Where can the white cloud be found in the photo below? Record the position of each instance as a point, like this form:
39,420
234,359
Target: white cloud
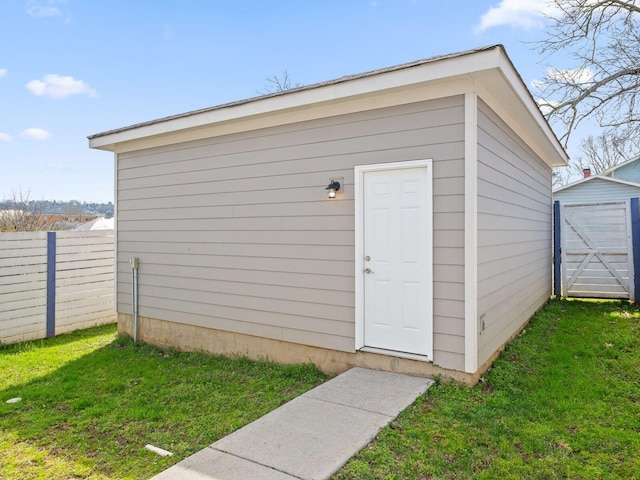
43,11
3,72
57,86
546,105
580,76
39,11
36,134
516,13
4,137
47,9
538,84
44,8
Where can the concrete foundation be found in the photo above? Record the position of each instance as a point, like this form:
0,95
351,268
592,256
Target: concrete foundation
194,338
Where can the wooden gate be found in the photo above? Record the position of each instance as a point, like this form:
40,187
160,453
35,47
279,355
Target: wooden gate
597,250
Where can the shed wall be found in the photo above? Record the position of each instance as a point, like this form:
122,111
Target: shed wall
235,232
629,172
514,232
597,190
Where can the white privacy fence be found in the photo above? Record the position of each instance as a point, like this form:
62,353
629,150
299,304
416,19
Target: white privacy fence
55,282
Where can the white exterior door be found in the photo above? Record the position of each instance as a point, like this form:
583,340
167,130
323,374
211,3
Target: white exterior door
397,260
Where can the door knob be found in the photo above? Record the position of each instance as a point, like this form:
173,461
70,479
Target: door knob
367,258
367,270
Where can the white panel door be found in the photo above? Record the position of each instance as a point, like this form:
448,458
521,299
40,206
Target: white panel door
397,260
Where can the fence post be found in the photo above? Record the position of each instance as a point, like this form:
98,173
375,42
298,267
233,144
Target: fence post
51,284
557,279
635,241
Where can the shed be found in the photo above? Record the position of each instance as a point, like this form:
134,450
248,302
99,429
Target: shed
434,252
596,189
628,170
617,184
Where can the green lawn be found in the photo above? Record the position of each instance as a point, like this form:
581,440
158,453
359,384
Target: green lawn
92,400
562,401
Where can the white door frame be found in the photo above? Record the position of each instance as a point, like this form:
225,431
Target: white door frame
359,172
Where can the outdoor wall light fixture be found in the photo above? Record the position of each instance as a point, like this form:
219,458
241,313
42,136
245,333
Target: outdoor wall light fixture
333,187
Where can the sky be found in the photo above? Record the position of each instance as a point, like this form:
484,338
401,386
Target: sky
73,68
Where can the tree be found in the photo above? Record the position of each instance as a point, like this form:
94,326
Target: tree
560,176
24,215
604,152
602,37
277,84
74,207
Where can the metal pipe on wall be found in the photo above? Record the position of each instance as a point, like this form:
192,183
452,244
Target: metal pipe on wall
135,263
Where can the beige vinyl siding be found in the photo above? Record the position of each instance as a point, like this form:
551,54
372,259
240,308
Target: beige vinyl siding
236,233
514,232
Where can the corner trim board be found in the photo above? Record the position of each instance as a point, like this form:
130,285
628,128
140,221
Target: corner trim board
471,232
115,231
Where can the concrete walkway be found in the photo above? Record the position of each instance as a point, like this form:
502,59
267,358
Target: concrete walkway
310,437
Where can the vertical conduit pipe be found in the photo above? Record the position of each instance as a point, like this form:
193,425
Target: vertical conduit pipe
135,263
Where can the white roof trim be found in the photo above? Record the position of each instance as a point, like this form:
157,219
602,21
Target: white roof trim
486,70
592,177
616,167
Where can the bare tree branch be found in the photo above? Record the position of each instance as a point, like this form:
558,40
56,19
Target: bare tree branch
278,83
26,215
602,38
560,177
604,152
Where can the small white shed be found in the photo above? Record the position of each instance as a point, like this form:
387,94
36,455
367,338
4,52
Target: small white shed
433,253
595,189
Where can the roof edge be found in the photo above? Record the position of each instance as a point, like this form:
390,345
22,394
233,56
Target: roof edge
592,177
314,86
536,112
621,164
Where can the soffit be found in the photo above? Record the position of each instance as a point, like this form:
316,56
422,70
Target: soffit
488,72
